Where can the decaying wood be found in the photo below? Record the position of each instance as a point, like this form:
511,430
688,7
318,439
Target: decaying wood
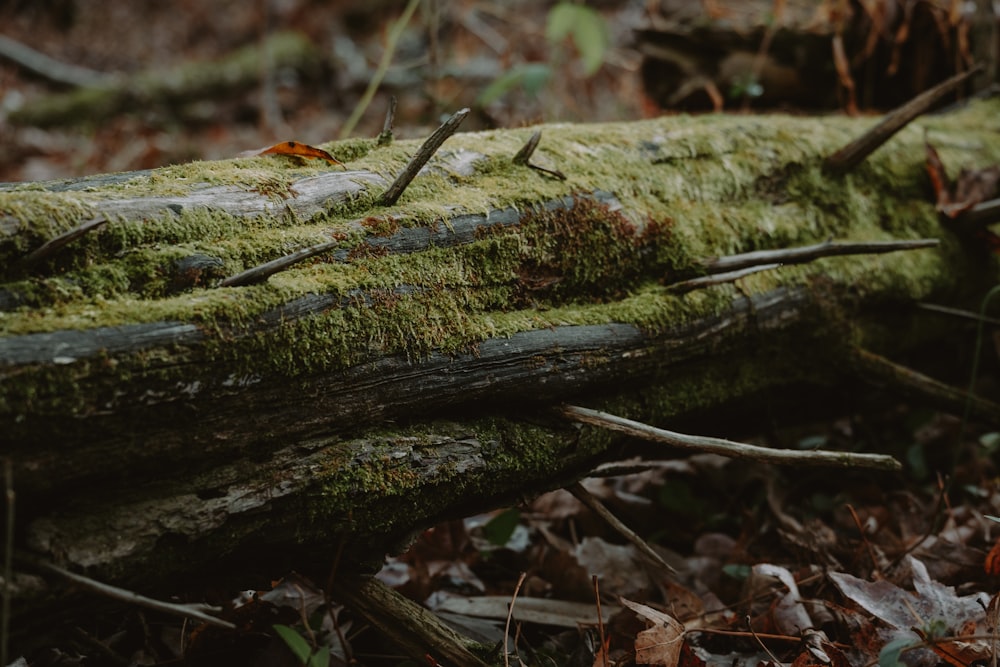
412,627
403,366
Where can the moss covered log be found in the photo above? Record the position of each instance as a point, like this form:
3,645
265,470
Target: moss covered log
409,365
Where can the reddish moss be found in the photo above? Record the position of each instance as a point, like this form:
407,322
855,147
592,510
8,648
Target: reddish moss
366,251
555,240
381,226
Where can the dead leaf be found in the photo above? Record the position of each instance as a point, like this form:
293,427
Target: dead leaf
776,588
619,566
973,186
932,606
295,149
992,562
939,177
660,644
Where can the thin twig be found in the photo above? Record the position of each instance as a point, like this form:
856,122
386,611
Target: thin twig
510,613
524,155
855,152
685,286
753,632
134,598
264,271
876,368
328,599
448,128
50,68
982,214
816,457
809,253
864,539
385,136
554,173
8,558
58,242
391,42
957,312
932,527
592,503
600,619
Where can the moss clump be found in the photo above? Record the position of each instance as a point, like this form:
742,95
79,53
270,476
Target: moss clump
31,218
554,241
383,226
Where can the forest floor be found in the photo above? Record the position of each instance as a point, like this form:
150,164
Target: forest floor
774,565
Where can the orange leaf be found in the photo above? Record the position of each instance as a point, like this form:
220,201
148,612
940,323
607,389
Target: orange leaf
296,149
992,563
939,178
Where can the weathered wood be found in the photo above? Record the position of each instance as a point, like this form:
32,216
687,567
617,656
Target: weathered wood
405,371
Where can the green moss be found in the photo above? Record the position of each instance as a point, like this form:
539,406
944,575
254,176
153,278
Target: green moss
688,188
35,217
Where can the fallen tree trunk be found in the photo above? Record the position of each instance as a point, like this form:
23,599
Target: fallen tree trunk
402,366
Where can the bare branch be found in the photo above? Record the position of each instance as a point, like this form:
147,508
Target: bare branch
718,279
592,503
855,152
58,242
524,155
50,68
264,271
727,447
385,136
879,370
423,154
810,252
130,597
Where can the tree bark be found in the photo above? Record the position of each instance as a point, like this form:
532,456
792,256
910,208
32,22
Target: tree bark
404,369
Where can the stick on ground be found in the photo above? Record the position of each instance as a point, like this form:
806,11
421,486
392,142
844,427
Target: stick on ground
728,447
130,597
413,628
595,505
879,370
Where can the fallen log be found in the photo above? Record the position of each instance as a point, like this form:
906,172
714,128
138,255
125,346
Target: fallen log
400,363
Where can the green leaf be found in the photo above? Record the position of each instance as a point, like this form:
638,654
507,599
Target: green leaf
591,39
560,21
587,28
296,642
499,529
534,77
321,658
529,76
737,571
500,86
889,655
